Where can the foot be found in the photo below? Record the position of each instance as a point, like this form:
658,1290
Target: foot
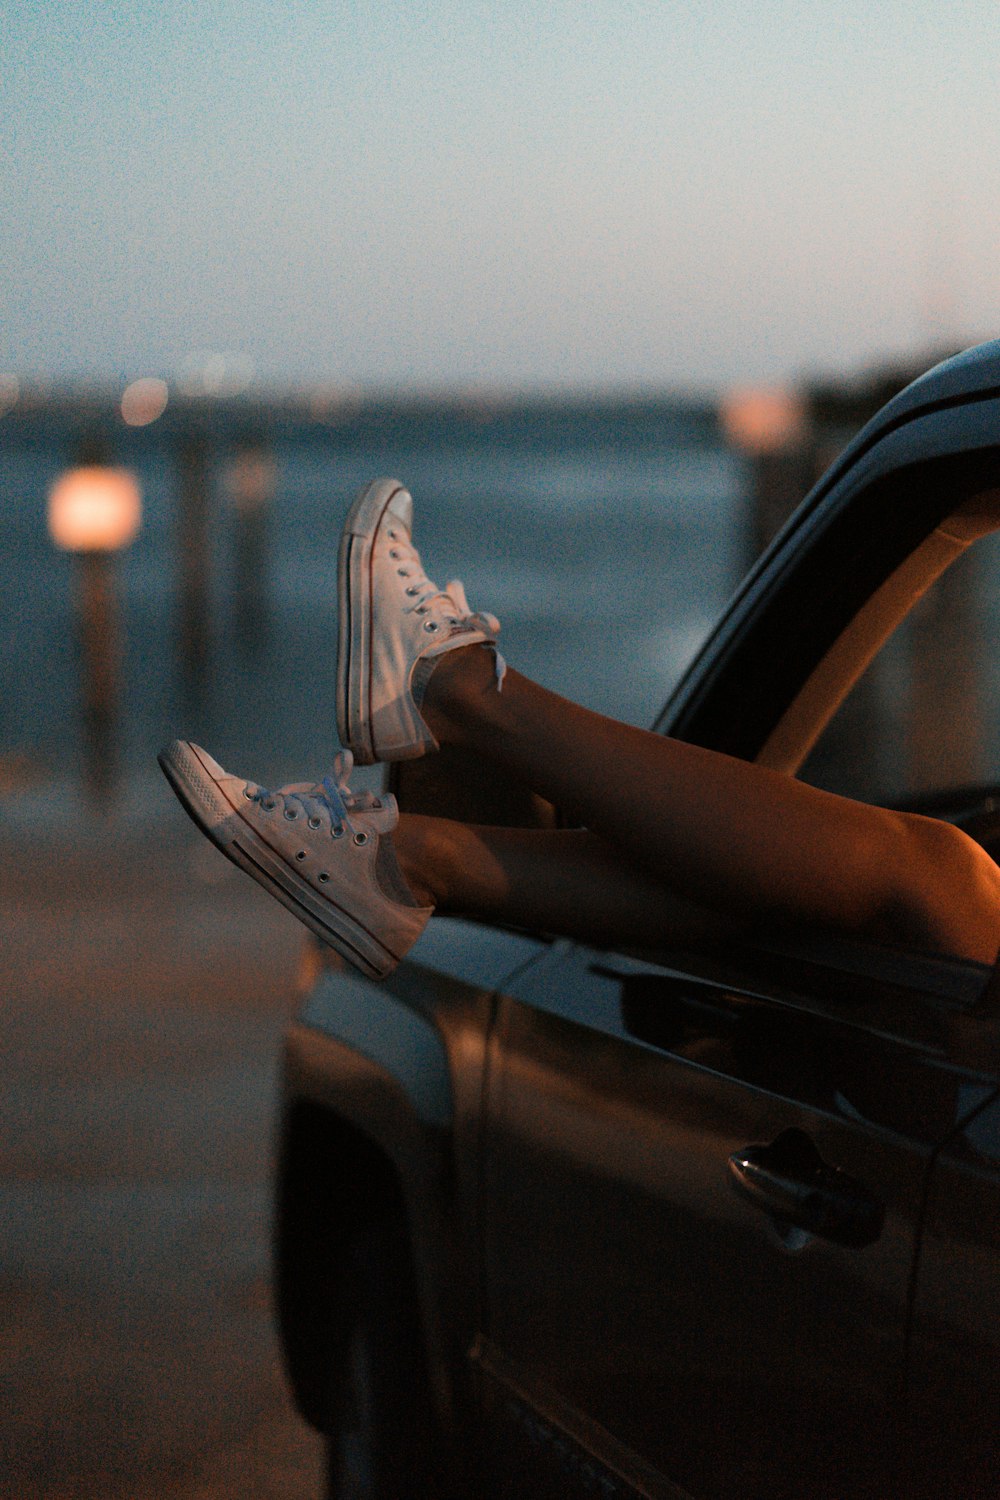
395,624
320,850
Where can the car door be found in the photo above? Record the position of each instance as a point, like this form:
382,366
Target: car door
954,1360
647,1328
654,1321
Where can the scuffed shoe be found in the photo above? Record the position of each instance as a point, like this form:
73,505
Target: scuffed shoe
321,850
394,623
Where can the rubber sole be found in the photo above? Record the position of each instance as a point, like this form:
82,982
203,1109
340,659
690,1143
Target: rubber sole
208,807
354,598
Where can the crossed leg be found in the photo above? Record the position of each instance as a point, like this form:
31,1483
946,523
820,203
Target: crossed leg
673,830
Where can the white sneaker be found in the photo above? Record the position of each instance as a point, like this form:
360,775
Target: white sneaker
394,623
318,849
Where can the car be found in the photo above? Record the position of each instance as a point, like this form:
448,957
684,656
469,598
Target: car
715,1220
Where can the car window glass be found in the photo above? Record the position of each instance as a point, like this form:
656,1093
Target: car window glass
924,719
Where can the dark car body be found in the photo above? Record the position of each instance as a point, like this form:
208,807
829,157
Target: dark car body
719,1220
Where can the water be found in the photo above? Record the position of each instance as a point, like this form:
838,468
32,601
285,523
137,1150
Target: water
607,539
606,545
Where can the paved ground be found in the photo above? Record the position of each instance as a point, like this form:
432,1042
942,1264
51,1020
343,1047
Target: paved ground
145,986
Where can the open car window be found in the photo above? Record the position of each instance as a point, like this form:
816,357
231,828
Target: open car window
921,727
920,730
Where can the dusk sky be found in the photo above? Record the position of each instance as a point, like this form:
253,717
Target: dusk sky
452,193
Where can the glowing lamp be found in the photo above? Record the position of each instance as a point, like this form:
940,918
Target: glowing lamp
763,419
94,509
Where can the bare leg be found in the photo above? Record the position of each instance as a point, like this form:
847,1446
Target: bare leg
564,881
736,838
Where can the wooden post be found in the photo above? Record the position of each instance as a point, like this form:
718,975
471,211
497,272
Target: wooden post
250,482
99,626
194,563
779,481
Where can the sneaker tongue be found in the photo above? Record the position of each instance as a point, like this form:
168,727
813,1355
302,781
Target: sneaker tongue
384,817
455,590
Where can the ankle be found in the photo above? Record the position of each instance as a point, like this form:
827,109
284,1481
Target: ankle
457,693
422,851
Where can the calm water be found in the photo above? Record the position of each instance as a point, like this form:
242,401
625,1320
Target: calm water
606,547
606,540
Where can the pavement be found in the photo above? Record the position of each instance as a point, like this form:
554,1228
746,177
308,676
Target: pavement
146,984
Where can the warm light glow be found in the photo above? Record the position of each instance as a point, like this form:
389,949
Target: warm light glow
207,373
94,509
143,401
250,479
763,419
333,403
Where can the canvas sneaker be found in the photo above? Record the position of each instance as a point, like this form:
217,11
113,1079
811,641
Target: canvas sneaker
320,849
394,624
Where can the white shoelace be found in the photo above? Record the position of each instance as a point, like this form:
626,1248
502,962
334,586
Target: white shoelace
449,604
332,796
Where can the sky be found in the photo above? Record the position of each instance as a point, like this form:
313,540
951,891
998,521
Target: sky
577,194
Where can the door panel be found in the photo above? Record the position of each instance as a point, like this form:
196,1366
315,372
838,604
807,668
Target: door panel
727,1352
955,1359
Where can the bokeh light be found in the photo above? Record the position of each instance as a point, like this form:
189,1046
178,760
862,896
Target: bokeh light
250,480
210,373
94,509
143,401
334,402
763,419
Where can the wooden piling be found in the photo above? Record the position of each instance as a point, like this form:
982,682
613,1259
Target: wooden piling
99,630
250,482
194,636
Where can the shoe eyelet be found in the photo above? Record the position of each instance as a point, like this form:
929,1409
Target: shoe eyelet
421,609
412,593
248,794
361,839
322,877
431,625
393,535
394,554
291,814
338,833
301,854
314,822
403,572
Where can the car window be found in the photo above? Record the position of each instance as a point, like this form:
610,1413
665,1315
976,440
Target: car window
923,722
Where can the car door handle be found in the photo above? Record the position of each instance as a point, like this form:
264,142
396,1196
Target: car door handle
791,1182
